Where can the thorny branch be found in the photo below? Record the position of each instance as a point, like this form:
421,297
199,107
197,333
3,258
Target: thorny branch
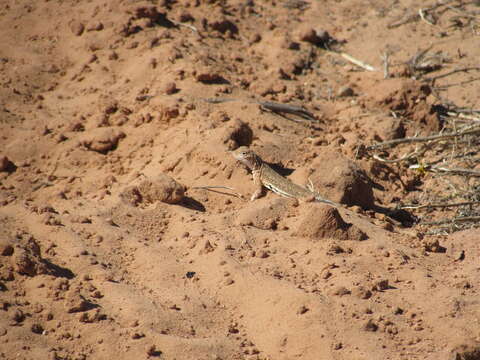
419,15
451,153
470,130
427,206
429,16
455,220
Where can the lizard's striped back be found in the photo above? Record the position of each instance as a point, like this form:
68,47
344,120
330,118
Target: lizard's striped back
284,187
281,185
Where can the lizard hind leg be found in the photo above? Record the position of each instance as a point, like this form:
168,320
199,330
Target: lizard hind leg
257,194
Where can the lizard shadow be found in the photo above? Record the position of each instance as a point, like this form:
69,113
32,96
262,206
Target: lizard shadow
280,169
404,217
57,270
191,203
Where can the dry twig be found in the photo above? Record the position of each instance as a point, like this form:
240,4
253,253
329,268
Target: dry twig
386,73
466,69
458,171
403,158
423,16
277,108
444,87
191,27
470,130
416,16
430,206
357,62
463,116
212,188
460,219
463,13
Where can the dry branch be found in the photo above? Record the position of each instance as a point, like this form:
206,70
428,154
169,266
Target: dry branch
444,87
191,27
463,13
467,69
458,171
277,108
357,62
459,219
469,130
416,16
429,206
392,161
386,70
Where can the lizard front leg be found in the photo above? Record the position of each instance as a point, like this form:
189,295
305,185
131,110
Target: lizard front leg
258,185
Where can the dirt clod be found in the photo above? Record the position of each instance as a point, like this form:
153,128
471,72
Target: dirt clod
102,140
26,259
5,163
370,325
77,27
171,88
317,37
342,180
210,78
323,221
17,317
6,247
160,188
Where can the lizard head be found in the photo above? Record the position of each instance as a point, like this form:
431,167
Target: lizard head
247,157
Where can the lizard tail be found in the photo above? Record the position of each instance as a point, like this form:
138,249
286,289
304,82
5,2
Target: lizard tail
320,199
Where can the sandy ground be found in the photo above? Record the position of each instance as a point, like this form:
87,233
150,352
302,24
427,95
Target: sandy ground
111,248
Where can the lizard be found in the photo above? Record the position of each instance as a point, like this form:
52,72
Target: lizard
265,176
